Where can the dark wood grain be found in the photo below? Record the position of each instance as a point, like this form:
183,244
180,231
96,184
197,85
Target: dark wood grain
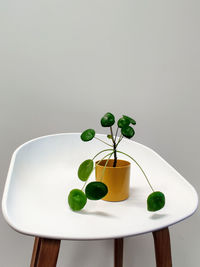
118,252
162,248
45,252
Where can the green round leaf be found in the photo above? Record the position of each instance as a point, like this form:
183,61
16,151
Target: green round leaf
132,121
128,131
155,201
108,120
109,136
77,199
123,122
87,135
85,169
96,190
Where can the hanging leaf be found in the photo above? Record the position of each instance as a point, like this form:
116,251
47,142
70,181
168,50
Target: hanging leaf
77,199
155,201
108,120
96,190
123,122
128,131
132,121
85,169
88,135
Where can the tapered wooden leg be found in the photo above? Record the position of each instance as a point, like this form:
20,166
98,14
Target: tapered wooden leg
162,248
45,252
118,252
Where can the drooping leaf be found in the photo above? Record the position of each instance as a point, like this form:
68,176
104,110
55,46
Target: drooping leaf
77,199
128,131
132,121
155,201
96,190
123,122
107,120
85,169
87,135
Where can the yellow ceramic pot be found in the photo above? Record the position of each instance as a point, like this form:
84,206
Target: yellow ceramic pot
116,178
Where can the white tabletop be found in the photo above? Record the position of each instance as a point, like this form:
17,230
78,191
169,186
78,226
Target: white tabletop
44,170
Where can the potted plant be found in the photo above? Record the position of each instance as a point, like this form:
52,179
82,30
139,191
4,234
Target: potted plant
112,175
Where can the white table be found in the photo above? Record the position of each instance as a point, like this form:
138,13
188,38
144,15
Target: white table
44,170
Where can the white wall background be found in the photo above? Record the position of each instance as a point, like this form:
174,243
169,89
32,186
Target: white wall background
63,64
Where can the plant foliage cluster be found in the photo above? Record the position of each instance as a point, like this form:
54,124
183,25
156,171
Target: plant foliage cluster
96,190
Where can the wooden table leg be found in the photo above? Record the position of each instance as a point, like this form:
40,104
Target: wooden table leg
118,252
162,248
45,252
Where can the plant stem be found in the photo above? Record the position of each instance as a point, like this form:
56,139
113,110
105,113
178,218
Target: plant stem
139,167
102,141
111,132
115,156
116,134
84,184
101,152
110,154
105,166
114,148
120,139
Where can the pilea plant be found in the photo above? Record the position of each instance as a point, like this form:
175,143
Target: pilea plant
97,189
